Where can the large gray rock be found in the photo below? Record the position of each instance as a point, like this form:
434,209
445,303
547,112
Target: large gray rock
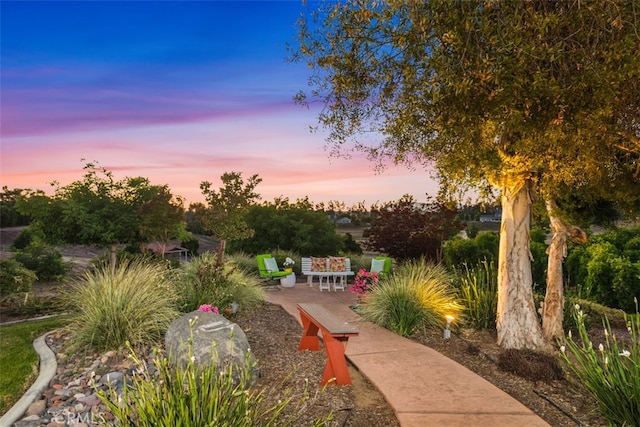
215,341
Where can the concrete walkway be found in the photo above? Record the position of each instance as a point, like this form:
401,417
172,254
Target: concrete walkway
423,387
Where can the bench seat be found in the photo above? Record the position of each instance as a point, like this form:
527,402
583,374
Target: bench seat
327,279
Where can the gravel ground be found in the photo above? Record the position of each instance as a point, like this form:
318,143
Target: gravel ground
274,336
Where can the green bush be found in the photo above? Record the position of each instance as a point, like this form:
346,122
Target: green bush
244,261
26,238
607,269
610,372
359,261
472,230
202,282
45,261
459,251
418,294
196,396
15,277
292,228
192,244
350,245
135,302
478,290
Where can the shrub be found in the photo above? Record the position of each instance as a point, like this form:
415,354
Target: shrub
194,396
607,269
418,294
192,244
202,282
45,261
459,251
350,245
472,230
244,261
133,302
478,290
611,374
15,277
26,238
359,261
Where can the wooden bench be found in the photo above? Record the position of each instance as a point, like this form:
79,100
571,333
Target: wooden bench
335,334
325,278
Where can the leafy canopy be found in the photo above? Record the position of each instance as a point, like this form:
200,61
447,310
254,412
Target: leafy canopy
99,210
484,88
290,227
406,229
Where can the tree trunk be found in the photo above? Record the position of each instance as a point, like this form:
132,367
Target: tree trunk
112,257
220,253
553,307
517,321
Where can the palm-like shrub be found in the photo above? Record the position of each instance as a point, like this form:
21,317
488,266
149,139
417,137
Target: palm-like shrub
201,281
133,302
418,294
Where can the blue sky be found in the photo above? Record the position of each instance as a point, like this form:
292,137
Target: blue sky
176,91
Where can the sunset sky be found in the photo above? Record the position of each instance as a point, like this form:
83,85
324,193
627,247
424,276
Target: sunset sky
178,92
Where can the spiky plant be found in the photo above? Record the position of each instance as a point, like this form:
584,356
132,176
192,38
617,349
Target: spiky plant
418,294
132,302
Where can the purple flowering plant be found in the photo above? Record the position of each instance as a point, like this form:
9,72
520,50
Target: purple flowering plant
209,308
363,282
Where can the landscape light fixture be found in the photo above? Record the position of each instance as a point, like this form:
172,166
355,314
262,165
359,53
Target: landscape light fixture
447,329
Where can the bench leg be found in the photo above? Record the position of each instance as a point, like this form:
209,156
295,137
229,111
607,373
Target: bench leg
336,366
309,340
325,283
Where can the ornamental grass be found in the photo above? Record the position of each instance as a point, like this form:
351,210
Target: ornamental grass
478,290
201,281
418,294
133,302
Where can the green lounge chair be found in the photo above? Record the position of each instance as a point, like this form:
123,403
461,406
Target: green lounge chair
269,270
381,265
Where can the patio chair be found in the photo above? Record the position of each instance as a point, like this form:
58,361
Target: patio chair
269,270
381,265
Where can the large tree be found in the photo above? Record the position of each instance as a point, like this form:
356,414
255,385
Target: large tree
97,210
162,218
224,216
406,229
289,227
531,97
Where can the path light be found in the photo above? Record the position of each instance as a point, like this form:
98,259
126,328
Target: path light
447,330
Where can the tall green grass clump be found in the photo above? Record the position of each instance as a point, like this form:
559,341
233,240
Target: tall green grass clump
478,291
134,302
193,395
418,294
201,281
244,261
610,373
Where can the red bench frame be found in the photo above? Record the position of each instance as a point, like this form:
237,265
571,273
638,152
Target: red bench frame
335,334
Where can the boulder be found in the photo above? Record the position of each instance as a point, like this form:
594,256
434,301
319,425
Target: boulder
215,340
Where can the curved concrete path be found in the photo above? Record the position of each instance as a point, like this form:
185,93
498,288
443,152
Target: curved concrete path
48,366
423,387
